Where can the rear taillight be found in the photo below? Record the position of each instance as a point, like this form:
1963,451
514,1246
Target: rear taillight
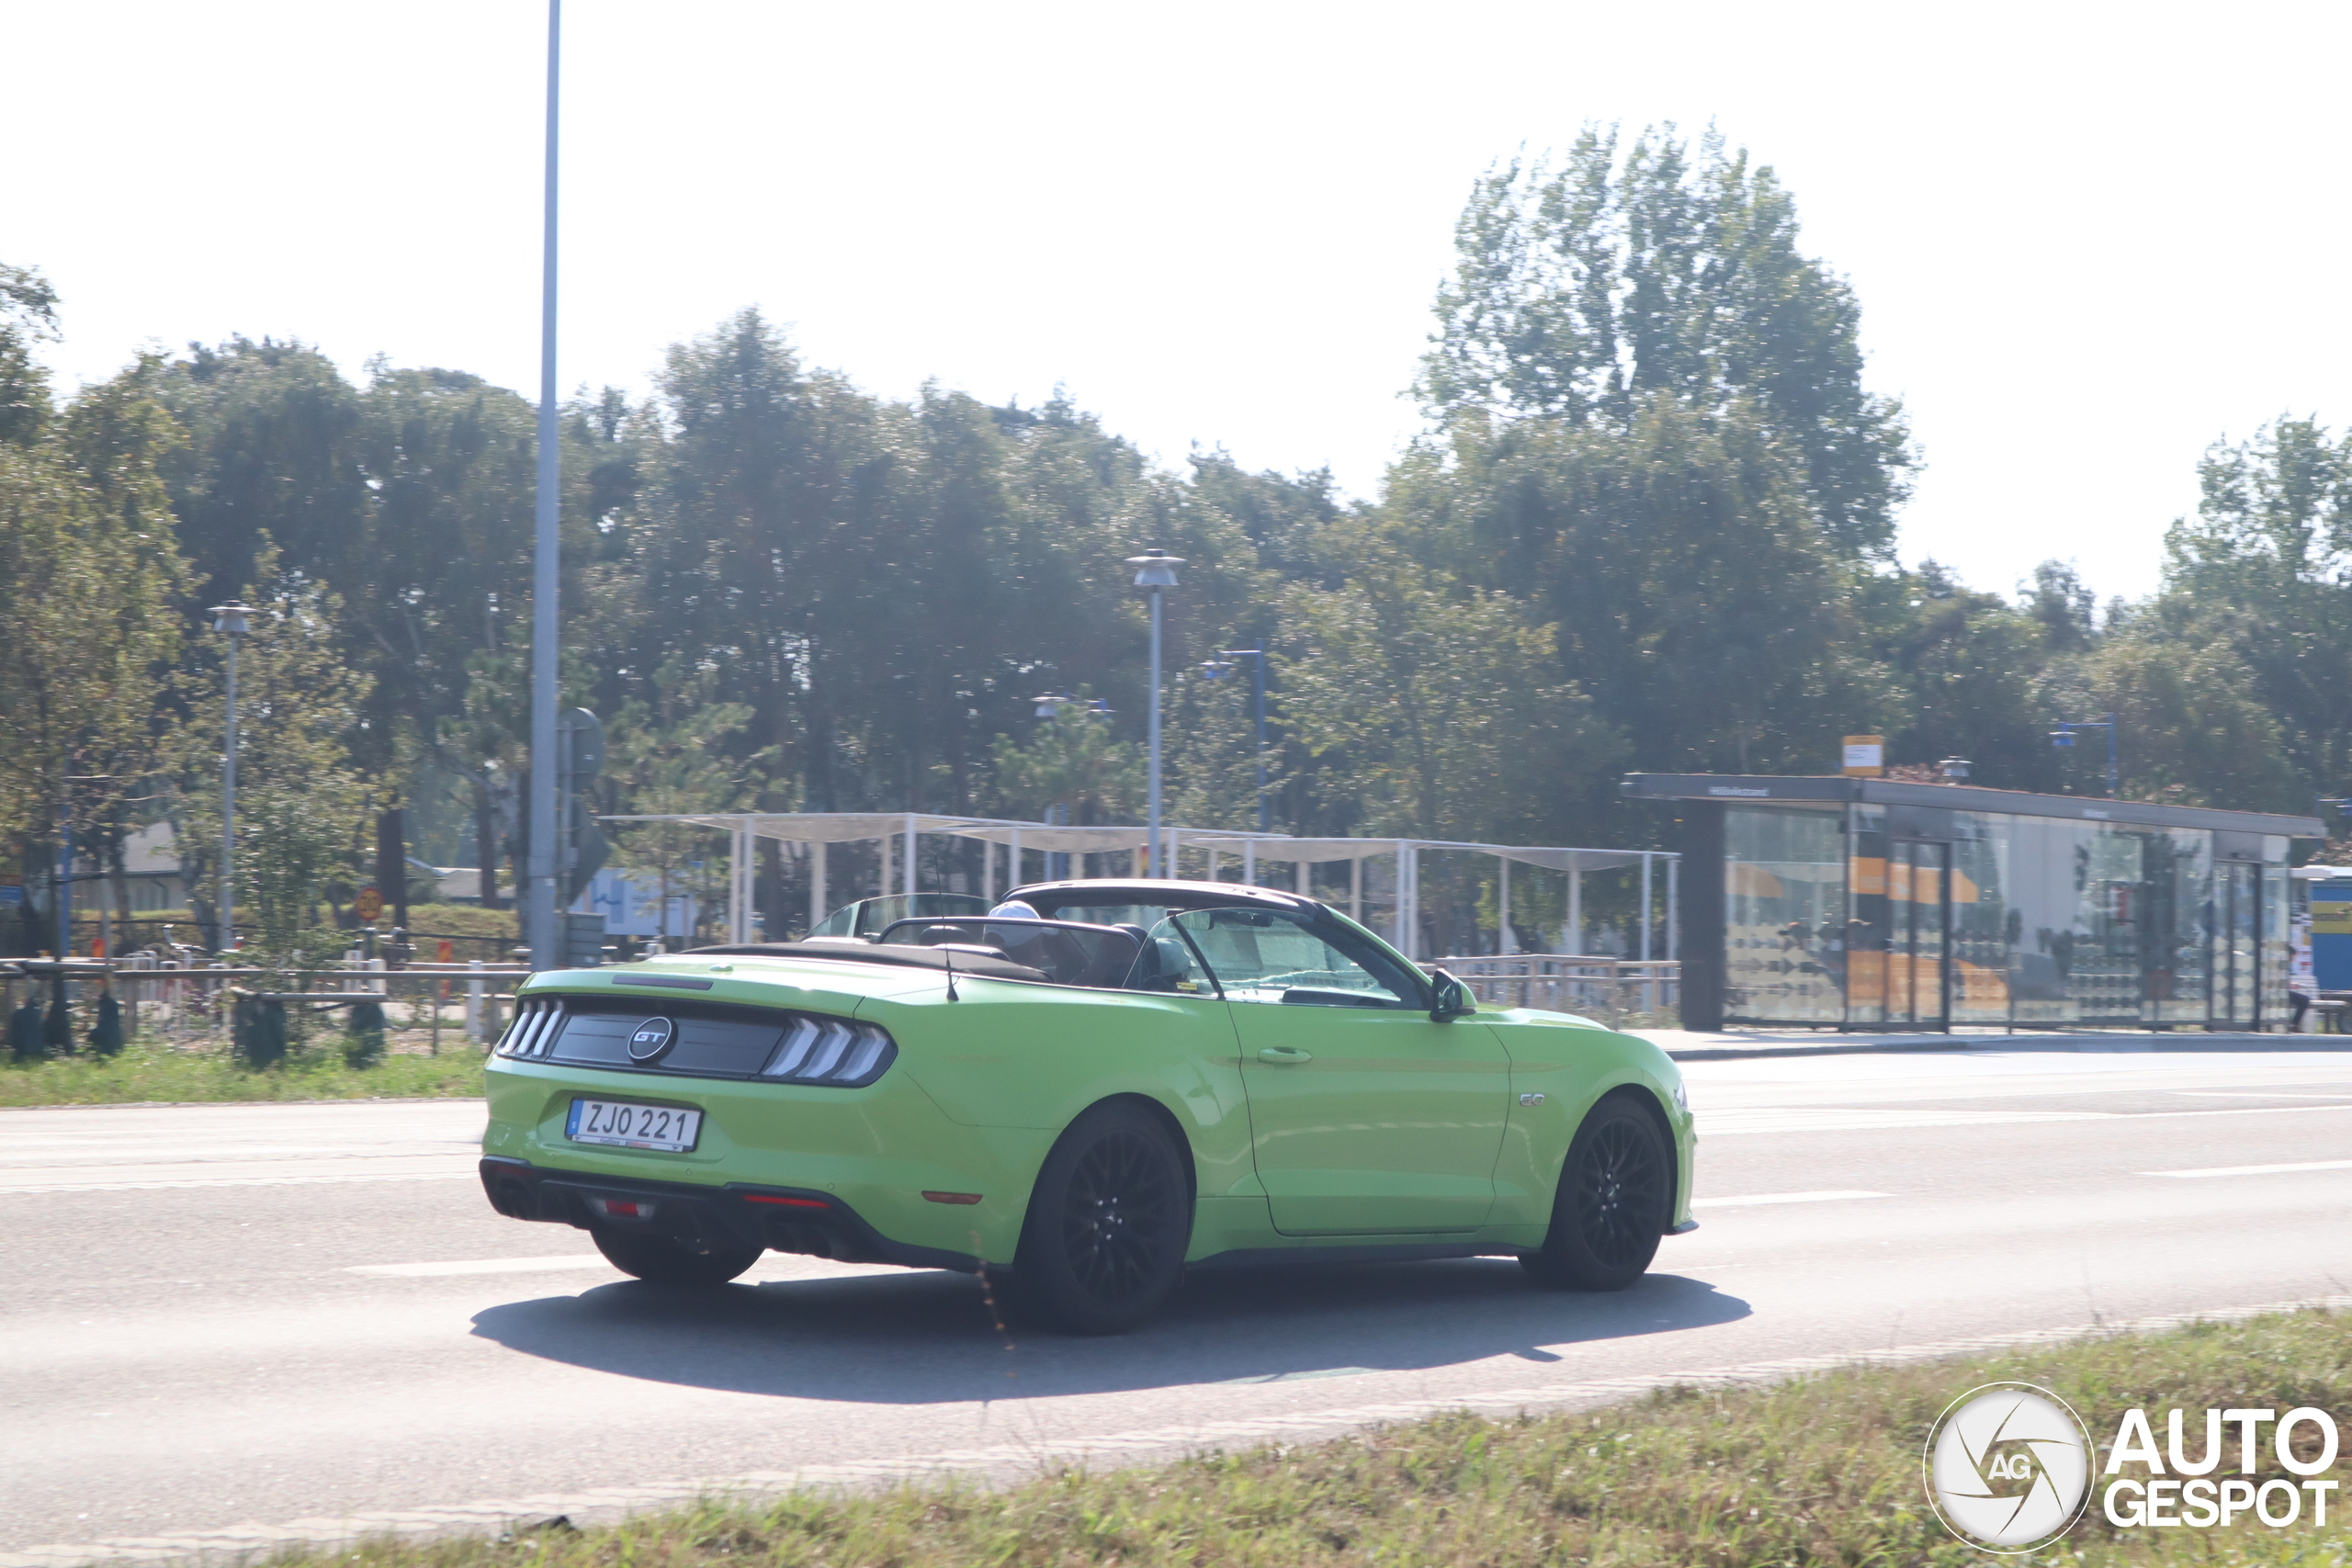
533,1028
833,1052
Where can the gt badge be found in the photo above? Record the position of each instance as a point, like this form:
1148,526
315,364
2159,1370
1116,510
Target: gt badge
653,1037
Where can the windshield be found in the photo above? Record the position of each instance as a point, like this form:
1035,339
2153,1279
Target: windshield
868,916
1276,955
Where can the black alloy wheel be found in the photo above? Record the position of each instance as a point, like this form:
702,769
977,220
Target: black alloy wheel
1108,1223
1611,1209
659,1260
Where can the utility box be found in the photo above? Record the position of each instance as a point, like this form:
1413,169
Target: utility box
583,941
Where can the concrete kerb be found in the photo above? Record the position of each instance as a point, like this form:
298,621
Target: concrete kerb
1690,1047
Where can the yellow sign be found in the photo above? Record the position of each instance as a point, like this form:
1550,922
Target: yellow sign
1865,756
370,905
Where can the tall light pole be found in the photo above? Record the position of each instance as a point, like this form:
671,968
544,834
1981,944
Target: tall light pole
1155,569
539,897
232,621
1217,670
2063,736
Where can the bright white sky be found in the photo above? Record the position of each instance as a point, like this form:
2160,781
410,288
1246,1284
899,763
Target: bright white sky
2088,240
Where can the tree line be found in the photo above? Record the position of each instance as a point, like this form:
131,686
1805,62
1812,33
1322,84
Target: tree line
1650,525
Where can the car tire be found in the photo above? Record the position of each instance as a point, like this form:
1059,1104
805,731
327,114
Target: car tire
1615,1189
1109,1222
659,1260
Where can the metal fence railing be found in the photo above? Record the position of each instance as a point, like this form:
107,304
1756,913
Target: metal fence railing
1614,990
185,998
142,934
184,1001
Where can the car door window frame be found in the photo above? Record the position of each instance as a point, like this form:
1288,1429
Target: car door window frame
1333,936
1217,987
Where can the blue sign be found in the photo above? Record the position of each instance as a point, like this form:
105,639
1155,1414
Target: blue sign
2331,937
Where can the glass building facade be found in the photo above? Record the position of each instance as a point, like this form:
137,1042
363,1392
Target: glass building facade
1867,905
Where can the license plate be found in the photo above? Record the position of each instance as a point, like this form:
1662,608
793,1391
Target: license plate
624,1126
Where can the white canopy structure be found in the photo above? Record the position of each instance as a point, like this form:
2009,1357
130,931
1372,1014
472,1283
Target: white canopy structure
1408,852
816,830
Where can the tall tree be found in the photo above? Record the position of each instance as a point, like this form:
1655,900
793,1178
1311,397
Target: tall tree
88,571
1965,665
1695,600
1445,704
672,758
301,802
272,451
2267,565
2191,725
1582,290
28,316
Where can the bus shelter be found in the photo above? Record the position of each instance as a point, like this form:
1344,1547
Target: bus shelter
1884,904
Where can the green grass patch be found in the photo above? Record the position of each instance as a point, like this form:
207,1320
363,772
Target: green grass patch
154,1069
1825,1470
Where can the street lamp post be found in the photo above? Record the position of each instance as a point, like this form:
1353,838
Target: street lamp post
2064,736
538,893
1155,569
1217,670
231,620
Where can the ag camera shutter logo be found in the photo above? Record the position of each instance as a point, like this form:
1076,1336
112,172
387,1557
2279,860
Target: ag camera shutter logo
2008,1467
653,1037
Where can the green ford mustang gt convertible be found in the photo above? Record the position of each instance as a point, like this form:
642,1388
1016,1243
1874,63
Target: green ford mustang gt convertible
1084,1091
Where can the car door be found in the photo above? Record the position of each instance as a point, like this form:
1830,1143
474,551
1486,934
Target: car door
1365,1117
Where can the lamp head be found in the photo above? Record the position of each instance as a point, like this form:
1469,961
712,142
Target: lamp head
2062,737
1155,569
231,618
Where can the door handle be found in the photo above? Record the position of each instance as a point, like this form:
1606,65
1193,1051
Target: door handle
1284,1054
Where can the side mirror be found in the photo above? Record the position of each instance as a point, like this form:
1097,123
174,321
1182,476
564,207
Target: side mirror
1449,998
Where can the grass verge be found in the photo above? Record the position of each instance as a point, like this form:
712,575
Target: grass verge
152,1070
1825,1470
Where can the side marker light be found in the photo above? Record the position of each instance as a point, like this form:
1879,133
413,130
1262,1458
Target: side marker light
952,1197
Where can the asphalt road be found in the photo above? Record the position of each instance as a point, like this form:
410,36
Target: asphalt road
220,1314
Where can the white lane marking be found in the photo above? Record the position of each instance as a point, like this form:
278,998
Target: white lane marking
2252,1094
121,1178
1771,1119
1774,1119
1299,1377
481,1266
28,1188
2259,1170
610,1504
1753,1198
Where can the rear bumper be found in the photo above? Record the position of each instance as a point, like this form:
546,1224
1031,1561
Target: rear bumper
781,1219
